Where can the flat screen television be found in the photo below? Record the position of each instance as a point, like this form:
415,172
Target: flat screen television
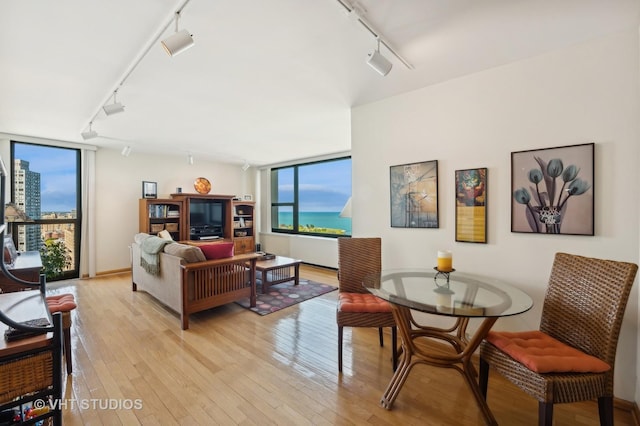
206,218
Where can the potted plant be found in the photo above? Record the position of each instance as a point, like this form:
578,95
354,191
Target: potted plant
54,258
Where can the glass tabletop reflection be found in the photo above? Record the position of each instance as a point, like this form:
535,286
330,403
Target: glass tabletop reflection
450,294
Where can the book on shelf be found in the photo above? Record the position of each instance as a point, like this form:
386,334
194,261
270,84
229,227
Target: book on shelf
163,210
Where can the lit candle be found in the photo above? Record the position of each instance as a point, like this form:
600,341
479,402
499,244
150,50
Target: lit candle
445,261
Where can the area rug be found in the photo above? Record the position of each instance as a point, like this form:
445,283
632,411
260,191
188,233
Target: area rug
283,295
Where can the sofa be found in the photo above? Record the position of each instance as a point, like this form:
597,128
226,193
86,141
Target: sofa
187,281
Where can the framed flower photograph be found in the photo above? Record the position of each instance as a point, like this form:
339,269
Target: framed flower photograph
552,190
471,205
414,195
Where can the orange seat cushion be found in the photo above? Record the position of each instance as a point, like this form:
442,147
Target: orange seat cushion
61,303
361,302
542,353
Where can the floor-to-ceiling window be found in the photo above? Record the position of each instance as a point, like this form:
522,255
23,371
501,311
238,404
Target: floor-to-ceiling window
312,198
45,205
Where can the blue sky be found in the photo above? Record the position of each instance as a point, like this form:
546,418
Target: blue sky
324,187
57,168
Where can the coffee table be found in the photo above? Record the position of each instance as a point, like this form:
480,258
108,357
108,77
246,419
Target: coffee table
278,270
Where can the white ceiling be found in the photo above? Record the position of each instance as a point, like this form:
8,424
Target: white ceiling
267,80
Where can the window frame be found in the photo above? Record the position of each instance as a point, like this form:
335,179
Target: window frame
295,203
74,271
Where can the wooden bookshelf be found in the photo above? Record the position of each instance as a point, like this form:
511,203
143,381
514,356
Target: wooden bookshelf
157,214
243,221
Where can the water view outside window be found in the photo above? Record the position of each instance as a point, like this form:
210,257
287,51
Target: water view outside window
309,198
45,196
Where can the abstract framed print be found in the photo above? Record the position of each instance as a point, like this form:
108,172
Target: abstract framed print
414,195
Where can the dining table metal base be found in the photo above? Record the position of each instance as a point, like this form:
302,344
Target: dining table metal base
460,359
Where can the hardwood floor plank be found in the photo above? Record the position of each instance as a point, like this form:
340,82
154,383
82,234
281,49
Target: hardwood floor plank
235,367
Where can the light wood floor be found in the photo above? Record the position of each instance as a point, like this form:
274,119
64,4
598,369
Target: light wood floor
235,367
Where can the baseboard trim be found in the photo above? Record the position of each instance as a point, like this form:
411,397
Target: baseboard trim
630,407
113,272
320,266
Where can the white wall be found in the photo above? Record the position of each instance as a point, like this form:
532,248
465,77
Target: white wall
119,187
586,93
313,250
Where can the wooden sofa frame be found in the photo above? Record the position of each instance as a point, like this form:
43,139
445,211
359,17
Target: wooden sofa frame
188,288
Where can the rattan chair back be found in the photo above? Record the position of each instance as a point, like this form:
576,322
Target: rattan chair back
585,303
583,307
357,258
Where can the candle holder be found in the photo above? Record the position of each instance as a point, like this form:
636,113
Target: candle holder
443,273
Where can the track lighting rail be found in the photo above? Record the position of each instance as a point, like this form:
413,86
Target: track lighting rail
139,59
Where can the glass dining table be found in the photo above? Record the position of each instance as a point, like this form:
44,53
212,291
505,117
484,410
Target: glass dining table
451,294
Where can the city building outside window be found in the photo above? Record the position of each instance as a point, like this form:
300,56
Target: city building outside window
45,191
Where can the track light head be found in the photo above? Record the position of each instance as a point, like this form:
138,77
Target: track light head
126,151
89,134
113,108
190,159
379,63
178,42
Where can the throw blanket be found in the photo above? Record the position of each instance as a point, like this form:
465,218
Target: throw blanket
150,254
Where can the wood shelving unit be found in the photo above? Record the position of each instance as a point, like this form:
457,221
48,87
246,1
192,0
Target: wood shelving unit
157,214
243,226
172,214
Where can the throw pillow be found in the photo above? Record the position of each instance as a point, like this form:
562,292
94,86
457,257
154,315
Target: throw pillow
189,253
217,250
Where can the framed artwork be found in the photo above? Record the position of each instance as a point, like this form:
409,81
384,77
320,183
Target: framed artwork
471,205
552,190
248,198
414,195
149,189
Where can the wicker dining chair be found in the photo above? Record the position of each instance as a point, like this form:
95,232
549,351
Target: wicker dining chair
357,258
583,310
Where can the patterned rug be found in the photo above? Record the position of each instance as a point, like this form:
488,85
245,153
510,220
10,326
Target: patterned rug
283,295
